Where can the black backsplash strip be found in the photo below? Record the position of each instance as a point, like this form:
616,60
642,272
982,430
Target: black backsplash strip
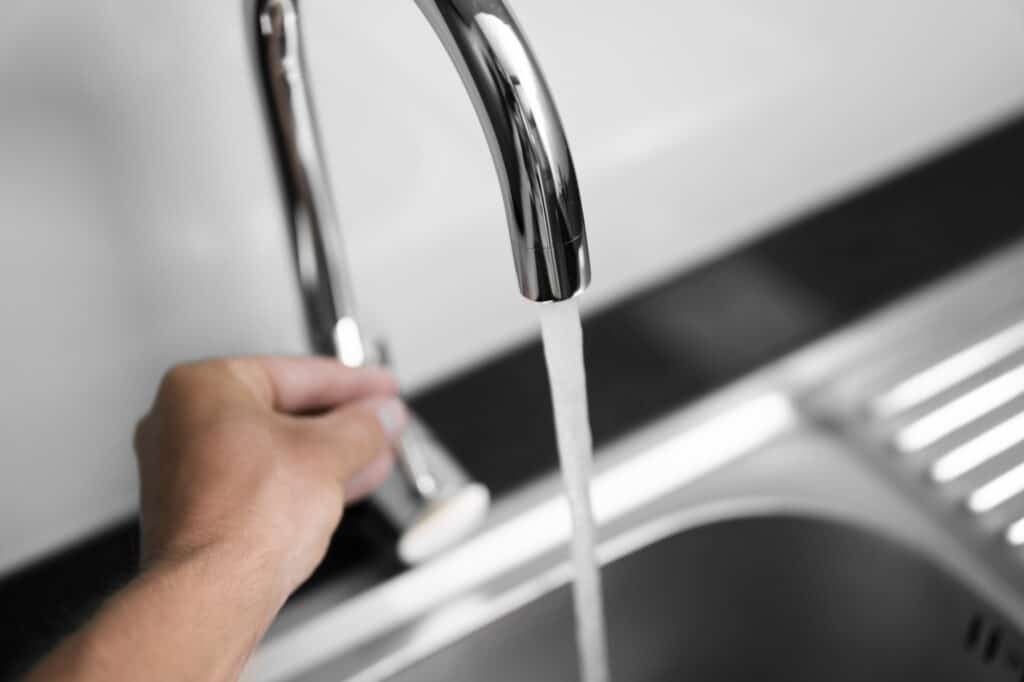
647,355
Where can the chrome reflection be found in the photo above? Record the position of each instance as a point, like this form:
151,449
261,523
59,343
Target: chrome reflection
527,141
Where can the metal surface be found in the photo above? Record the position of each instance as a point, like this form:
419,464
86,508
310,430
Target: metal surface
956,425
792,440
433,500
319,254
527,141
952,350
949,372
763,597
427,476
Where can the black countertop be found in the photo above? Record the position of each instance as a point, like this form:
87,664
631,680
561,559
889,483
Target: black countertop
646,355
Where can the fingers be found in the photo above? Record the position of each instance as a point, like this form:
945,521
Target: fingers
279,382
353,443
367,480
352,439
303,384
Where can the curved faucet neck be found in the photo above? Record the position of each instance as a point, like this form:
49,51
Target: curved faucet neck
527,141
522,126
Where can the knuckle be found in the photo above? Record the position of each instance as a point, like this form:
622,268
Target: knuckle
176,381
237,367
204,385
247,372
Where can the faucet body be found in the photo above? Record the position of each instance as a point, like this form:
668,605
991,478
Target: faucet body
527,141
538,184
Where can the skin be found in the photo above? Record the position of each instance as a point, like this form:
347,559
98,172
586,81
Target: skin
246,465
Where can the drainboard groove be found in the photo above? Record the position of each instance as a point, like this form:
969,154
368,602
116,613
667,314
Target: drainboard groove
958,419
961,411
999,490
1015,533
979,450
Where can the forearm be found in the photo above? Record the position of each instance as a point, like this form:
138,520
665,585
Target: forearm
196,619
251,461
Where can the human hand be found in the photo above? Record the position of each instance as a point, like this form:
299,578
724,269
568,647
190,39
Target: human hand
249,461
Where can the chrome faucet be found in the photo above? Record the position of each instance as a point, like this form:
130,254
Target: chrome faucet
542,206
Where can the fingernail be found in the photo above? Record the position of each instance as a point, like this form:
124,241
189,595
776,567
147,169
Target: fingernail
393,415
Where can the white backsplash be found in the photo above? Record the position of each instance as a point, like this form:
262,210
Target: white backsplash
142,218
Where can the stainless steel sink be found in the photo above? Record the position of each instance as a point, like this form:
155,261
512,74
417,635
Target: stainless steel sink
752,536
758,598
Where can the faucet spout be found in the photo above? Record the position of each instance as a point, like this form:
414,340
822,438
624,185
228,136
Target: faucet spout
527,141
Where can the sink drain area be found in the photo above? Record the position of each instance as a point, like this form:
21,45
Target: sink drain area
986,640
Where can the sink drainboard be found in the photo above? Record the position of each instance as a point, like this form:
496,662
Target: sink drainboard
958,426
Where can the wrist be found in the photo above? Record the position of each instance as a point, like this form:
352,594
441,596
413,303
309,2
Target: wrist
231,570
224,596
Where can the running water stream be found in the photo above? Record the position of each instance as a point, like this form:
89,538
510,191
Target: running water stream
563,353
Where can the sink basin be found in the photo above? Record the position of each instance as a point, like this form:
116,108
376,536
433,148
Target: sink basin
759,598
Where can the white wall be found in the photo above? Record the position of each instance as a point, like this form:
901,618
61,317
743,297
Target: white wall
142,223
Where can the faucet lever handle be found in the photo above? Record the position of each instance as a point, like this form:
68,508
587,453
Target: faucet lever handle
434,504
